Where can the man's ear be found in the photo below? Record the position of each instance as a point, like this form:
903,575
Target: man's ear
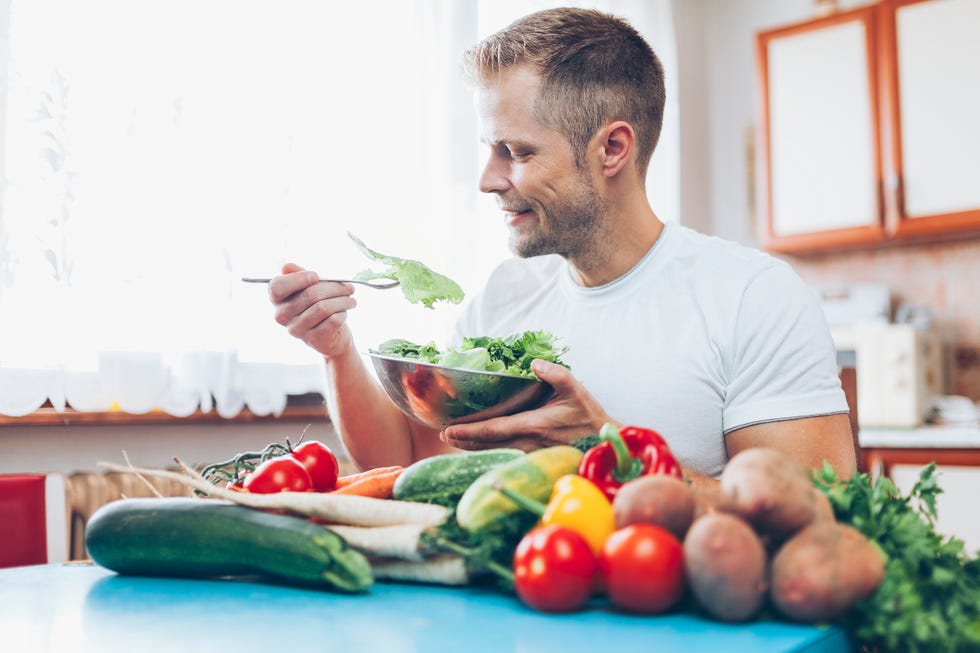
615,142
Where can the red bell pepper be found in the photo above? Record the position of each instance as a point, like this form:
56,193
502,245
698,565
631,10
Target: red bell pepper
625,454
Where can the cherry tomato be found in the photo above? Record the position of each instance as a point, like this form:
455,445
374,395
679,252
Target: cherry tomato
278,475
320,462
554,569
642,568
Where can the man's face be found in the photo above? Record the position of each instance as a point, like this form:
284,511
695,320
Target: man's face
550,205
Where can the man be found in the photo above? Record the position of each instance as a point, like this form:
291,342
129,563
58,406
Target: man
718,347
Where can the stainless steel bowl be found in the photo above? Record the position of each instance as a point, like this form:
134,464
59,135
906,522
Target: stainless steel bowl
438,396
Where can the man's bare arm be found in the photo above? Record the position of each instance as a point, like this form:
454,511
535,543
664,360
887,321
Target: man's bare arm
808,440
374,431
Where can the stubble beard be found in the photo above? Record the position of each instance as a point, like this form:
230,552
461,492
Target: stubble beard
575,228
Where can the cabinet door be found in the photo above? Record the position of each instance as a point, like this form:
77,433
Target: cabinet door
931,62
820,164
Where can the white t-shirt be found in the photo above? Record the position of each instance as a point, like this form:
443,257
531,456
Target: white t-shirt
701,337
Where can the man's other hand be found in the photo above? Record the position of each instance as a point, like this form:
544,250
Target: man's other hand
571,413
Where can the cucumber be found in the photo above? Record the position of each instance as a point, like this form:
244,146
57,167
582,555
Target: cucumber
443,479
207,538
483,509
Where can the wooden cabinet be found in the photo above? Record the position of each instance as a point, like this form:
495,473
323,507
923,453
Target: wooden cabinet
869,126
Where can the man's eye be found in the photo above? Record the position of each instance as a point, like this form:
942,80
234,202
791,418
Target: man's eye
518,155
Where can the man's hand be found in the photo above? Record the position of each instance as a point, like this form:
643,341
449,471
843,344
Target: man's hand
572,413
314,312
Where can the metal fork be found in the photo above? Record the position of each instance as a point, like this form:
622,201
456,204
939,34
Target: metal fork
373,283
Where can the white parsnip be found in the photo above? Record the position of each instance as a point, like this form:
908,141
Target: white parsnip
403,541
336,508
443,569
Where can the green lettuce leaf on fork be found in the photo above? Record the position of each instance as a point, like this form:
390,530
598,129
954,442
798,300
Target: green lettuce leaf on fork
419,283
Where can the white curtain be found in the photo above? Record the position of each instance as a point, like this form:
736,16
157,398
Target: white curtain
156,152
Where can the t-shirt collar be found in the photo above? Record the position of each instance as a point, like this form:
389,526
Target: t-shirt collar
613,288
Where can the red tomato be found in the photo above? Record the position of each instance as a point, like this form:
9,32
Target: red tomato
554,569
642,567
320,462
278,475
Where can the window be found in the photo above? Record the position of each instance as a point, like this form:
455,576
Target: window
156,152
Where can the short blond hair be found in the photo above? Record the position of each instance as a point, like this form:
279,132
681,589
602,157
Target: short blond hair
595,68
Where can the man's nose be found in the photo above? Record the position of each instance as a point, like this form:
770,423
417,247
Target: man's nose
494,177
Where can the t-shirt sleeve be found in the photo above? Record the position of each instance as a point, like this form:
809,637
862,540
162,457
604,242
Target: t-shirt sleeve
783,364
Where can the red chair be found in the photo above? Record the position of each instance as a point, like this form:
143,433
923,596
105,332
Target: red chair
33,519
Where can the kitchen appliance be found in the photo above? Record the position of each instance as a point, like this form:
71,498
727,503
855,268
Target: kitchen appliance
899,370
855,304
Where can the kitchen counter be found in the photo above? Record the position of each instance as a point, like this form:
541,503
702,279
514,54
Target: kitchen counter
68,608
927,437
882,449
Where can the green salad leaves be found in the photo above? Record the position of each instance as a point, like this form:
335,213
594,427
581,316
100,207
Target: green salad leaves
510,355
930,597
419,283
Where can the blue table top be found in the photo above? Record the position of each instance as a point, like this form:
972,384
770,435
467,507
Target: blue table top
85,608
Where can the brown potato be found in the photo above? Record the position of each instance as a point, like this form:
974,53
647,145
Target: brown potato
706,500
769,490
665,501
822,570
725,564
823,509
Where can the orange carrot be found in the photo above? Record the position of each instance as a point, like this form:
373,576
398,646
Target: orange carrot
377,483
347,479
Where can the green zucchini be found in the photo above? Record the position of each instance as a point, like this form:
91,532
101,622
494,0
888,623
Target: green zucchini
207,538
483,509
443,479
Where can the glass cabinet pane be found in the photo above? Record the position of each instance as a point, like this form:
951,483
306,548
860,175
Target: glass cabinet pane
938,49
821,131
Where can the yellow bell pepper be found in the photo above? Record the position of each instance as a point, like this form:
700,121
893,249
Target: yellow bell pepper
577,504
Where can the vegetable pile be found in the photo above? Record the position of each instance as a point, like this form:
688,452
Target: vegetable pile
765,542
355,525
555,525
510,355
